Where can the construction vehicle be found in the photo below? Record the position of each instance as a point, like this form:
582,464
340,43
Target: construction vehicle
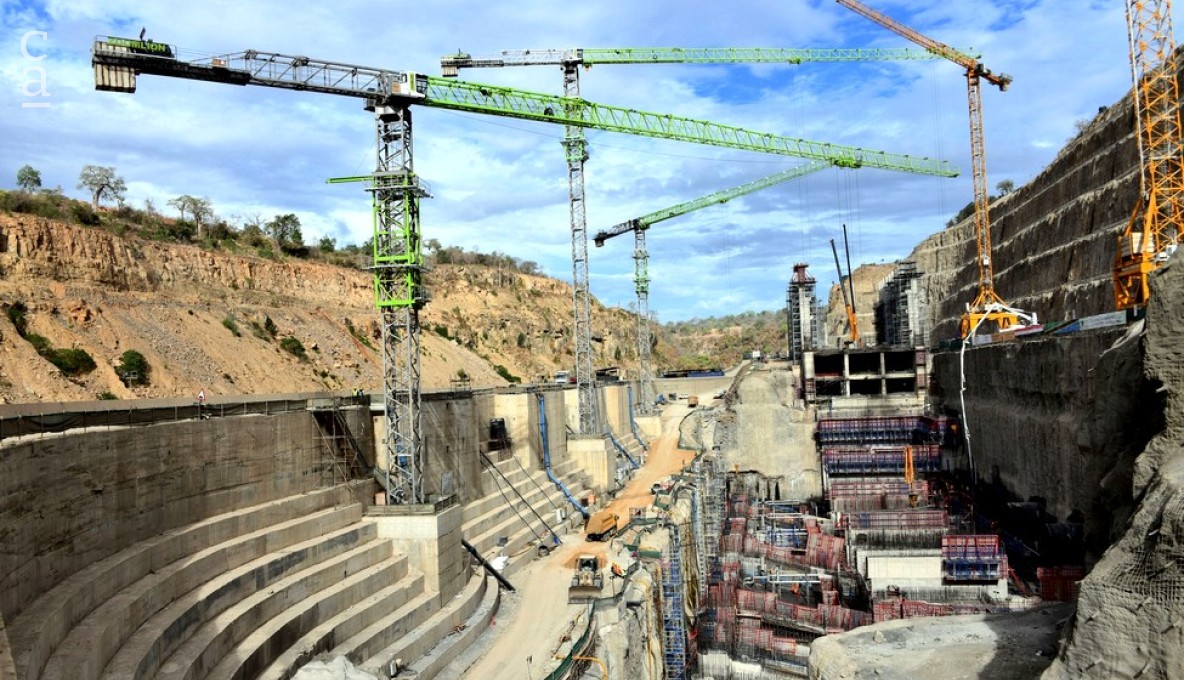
693,400
987,306
587,581
848,298
1156,225
602,526
576,154
641,277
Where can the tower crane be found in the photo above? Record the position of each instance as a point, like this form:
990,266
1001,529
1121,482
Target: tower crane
848,297
396,190
576,151
1156,223
641,277
987,306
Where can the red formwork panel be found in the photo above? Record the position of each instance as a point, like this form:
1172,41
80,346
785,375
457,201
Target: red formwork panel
1060,584
897,520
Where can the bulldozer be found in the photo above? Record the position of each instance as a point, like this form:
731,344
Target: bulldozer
587,581
602,526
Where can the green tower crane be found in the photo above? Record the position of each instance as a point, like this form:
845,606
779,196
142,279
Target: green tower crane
641,277
396,190
576,149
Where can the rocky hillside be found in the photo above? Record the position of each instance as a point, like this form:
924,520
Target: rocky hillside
236,323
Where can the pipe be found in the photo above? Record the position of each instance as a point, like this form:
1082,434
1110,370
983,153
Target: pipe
612,437
603,667
547,458
488,567
633,422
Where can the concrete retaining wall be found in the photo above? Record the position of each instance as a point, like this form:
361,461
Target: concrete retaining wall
69,500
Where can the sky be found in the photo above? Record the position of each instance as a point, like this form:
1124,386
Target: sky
500,184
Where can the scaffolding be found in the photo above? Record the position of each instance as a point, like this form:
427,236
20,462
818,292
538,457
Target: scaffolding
901,310
801,303
343,456
674,647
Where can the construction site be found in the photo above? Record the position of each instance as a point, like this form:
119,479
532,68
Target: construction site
979,476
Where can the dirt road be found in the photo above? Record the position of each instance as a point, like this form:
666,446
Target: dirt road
540,617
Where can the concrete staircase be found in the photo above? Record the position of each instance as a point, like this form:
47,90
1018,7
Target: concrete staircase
495,518
250,593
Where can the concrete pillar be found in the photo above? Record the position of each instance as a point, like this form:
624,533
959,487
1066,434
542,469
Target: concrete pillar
846,374
431,540
595,457
650,427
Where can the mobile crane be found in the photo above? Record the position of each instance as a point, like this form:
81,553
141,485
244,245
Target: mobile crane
987,306
396,189
848,297
569,60
641,278
1156,223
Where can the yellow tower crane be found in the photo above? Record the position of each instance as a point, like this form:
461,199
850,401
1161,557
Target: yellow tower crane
1154,229
987,306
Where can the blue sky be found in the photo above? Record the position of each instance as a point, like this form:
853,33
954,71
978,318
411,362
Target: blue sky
501,184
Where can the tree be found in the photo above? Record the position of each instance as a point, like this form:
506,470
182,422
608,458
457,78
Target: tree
28,178
198,208
327,244
133,368
102,183
285,231
1005,187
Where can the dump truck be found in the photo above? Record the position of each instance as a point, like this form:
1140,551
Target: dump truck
693,400
602,526
587,581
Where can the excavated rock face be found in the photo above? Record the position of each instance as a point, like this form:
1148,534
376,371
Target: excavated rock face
1130,617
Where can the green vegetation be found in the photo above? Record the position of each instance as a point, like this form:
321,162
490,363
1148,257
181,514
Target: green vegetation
294,347
28,178
358,335
442,331
270,327
72,362
506,374
521,339
106,396
102,183
133,368
16,314
232,326
259,332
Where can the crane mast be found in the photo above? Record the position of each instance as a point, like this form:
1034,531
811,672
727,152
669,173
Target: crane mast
576,154
988,305
1156,223
396,190
641,277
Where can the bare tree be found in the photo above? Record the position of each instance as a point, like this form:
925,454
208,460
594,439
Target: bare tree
198,208
102,183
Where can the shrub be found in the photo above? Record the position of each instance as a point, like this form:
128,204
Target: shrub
270,327
442,331
258,332
294,347
522,339
231,326
84,214
133,367
358,335
39,343
106,396
506,374
16,314
71,361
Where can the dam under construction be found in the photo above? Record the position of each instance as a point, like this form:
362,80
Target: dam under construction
922,501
